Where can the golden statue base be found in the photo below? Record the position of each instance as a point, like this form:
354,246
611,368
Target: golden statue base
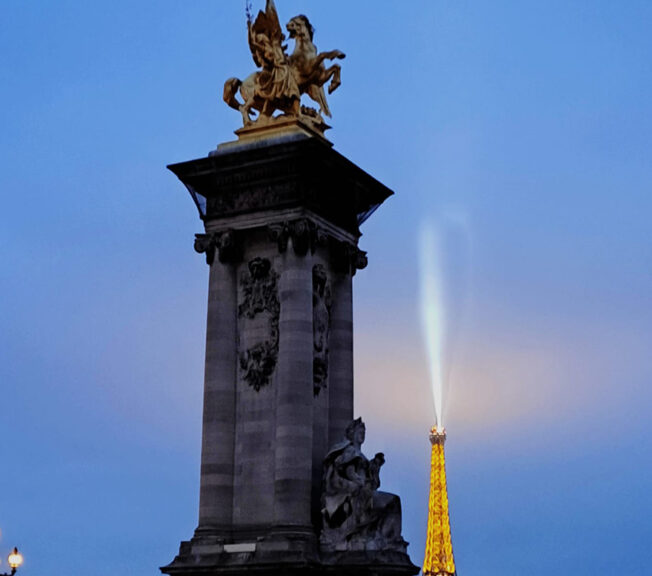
280,128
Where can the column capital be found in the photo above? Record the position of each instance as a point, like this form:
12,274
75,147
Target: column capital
346,258
225,244
307,235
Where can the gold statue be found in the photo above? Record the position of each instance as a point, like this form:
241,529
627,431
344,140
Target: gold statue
282,80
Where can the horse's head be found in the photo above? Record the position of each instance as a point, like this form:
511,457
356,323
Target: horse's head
300,27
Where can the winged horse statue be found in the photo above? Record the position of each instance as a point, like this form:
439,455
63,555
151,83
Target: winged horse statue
282,78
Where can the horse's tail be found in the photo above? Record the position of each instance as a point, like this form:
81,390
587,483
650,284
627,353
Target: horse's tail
231,87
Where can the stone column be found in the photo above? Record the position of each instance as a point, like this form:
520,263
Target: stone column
216,488
293,480
340,379
267,423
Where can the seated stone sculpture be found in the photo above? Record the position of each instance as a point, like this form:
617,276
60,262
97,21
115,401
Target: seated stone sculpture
356,516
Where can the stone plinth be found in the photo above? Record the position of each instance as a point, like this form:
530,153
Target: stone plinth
281,219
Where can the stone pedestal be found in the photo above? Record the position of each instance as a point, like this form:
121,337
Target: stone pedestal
281,220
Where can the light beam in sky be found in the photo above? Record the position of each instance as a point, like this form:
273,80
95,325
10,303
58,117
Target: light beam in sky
432,315
444,256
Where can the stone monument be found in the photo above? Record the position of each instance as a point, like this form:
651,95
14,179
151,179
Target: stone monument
284,485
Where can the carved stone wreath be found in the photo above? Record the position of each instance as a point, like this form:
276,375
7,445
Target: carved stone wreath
259,311
321,324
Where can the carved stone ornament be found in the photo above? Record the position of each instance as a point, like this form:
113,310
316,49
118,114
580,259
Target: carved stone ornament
283,78
259,311
347,258
321,326
305,235
225,244
357,516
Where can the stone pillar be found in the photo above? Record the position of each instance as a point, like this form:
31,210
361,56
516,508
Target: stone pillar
340,378
281,216
216,487
294,395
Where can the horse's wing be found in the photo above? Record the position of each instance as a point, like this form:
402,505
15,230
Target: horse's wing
318,95
268,25
273,19
256,51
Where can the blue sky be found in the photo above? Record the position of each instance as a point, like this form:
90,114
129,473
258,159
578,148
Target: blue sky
531,121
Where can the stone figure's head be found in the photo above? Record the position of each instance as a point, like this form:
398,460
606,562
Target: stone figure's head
319,279
356,431
300,27
259,268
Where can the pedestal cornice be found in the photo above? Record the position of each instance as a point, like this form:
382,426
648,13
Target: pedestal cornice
299,173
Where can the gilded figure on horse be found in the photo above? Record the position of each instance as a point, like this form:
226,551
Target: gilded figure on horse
283,78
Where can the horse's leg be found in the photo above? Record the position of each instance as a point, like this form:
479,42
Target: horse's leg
334,72
245,109
268,109
295,109
335,54
248,93
319,59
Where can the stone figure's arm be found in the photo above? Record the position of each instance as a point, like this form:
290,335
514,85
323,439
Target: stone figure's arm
353,475
374,470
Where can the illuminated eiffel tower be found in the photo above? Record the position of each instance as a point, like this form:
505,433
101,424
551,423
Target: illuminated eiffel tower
439,547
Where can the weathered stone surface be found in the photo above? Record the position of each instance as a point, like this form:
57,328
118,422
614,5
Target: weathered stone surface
218,436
